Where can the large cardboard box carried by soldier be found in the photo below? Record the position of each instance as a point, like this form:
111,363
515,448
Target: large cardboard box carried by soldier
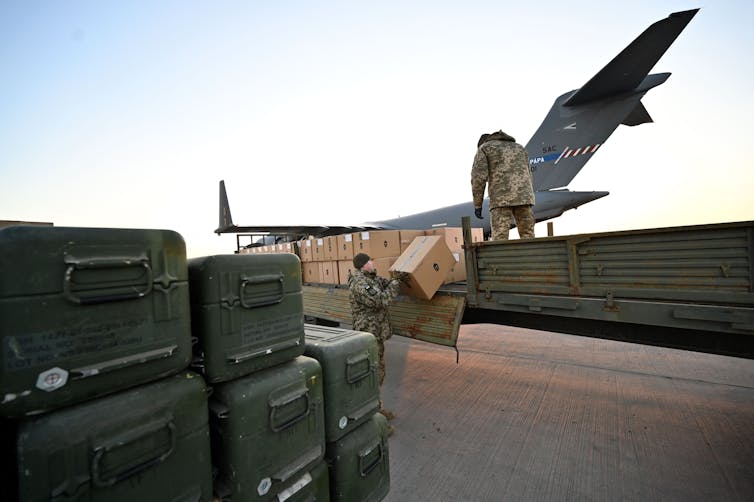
427,261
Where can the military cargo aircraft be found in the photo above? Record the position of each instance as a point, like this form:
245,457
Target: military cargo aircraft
577,125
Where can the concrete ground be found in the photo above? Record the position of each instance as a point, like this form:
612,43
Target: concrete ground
538,416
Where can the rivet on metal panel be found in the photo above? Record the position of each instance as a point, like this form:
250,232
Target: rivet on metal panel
725,267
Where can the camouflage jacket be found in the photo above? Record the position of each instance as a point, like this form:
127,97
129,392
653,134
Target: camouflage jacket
370,297
502,164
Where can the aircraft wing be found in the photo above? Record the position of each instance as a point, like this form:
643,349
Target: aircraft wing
294,230
226,225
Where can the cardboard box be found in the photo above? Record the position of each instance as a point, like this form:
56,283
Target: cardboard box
305,250
344,268
454,236
458,270
284,247
318,249
408,236
330,252
345,247
310,271
382,266
328,272
428,262
377,243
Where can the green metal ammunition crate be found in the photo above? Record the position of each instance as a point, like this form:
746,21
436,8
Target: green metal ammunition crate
147,443
349,368
247,313
85,312
359,463
267,429
312,486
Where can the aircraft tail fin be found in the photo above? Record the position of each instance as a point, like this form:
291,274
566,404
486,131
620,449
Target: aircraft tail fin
628,69
580,121
226,220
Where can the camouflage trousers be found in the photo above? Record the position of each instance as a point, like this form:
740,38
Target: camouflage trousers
501,218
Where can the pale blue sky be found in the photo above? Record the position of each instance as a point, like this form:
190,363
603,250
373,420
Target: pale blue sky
127,114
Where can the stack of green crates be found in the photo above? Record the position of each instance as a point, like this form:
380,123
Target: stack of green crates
357,444
95,328
266,407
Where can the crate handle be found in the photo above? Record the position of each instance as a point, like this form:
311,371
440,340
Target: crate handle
132,436
261,279
98,263
276,404
353,374
364,470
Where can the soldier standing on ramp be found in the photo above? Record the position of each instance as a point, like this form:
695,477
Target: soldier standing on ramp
503,164
370,297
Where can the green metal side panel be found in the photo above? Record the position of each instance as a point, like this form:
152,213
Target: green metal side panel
710,264
691,278
434,321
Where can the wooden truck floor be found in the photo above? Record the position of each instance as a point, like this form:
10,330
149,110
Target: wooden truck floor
532,416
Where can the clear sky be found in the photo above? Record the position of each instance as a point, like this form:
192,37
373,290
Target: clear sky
128,113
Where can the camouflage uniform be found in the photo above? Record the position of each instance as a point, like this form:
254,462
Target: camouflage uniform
370,297
503,164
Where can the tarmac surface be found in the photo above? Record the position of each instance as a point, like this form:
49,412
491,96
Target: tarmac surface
538,416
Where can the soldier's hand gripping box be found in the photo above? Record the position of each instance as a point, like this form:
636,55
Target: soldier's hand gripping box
359,463
150,442
247,313
349,370
88,311
267,430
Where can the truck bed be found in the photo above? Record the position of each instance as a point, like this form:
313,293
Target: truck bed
683,287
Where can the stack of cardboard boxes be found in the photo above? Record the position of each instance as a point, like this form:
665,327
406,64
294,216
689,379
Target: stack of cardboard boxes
329,260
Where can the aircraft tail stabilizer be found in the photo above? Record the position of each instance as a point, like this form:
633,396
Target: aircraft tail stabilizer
580,121
629,68
226,220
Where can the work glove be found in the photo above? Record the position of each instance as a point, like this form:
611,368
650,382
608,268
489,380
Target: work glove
401,276
478,213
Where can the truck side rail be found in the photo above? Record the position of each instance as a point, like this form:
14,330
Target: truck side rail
696,279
